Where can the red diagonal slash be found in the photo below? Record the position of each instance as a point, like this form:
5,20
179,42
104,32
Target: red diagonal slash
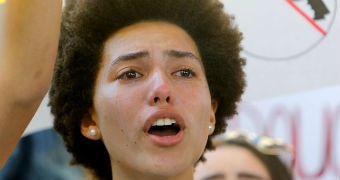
310,20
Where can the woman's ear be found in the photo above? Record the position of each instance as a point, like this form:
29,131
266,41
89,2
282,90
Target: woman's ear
89,127
214,106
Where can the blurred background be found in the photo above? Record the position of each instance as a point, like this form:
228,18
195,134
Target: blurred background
293,74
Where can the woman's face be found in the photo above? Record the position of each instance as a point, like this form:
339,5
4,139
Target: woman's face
231,162
152,103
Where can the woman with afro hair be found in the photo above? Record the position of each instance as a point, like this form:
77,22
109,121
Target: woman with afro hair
141,86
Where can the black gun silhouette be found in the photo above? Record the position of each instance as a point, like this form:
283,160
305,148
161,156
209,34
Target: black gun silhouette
319,8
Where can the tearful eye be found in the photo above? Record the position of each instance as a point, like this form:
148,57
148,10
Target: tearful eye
131,74
185,73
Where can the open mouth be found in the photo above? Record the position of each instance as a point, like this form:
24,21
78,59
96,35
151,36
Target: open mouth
164,127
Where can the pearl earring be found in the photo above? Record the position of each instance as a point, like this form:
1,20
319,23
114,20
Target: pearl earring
210,127
93,132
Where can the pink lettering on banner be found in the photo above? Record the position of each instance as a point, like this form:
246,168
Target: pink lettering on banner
288,121
335,142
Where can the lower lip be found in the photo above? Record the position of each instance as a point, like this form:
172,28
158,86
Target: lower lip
167,140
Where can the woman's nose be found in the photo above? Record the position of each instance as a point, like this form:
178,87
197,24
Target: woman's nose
160,90
161,99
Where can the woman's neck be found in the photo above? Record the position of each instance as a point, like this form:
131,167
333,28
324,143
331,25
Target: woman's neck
130,175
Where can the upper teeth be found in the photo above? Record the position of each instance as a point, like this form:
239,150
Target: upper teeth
164,122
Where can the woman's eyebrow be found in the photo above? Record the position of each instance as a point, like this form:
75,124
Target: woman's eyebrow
217,176
141,54
181,54
129,57
250,176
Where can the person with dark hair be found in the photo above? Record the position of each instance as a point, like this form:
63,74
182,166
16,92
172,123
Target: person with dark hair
141,86
246,156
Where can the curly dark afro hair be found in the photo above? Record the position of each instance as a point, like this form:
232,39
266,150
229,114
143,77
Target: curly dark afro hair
87,24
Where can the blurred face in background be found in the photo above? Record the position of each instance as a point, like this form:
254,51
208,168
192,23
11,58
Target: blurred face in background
231,162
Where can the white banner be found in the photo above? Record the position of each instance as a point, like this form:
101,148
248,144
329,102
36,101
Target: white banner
309,121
